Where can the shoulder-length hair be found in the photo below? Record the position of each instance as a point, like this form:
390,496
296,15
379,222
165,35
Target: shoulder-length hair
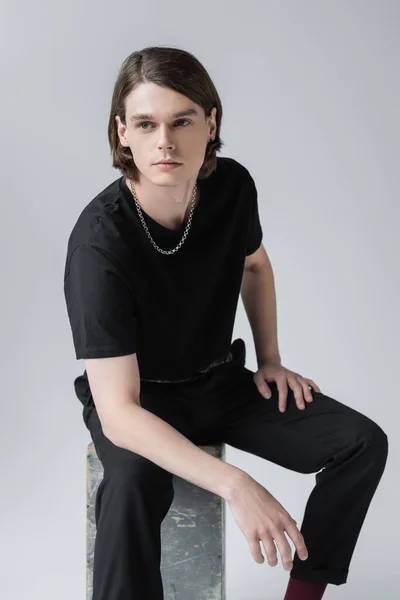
168,67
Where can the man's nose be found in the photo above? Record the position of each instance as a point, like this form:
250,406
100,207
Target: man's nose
165,138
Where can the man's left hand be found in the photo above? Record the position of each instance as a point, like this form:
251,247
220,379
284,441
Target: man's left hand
283,377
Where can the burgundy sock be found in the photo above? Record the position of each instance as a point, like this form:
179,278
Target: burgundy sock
304,590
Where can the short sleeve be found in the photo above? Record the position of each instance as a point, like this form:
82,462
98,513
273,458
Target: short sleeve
255,233
100,305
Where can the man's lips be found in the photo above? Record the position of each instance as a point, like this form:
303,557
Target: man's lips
168,162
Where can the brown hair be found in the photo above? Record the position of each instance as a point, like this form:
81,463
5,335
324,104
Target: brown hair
167,67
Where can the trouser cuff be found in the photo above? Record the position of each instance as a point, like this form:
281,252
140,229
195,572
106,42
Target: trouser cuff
320,575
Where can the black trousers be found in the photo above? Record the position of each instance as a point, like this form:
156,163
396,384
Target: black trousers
345,449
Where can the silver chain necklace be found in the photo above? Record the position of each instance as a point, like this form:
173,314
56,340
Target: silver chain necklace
185,233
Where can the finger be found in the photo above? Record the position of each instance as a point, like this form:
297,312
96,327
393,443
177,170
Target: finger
281,384
265,390
256,550
270,551
306,392
313,385
297,539
297,391
284,550
262,386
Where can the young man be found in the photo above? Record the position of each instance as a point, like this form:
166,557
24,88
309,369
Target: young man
154,268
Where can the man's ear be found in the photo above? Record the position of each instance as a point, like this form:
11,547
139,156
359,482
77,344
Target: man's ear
212,122
121,129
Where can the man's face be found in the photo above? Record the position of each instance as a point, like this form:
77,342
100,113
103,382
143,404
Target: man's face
163,135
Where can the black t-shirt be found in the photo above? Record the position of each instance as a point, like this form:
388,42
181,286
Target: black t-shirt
176,312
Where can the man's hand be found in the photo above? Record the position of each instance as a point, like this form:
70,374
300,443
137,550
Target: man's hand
262,518
274,371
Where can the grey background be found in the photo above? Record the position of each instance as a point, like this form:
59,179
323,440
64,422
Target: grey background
310,92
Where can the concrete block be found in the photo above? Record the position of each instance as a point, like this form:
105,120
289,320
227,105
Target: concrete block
192,536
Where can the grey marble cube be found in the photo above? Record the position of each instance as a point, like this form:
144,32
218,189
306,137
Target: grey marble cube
192,535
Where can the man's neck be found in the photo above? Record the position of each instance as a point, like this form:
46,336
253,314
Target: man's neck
168,205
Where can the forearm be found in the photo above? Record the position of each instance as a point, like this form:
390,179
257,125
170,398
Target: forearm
259,300
140,431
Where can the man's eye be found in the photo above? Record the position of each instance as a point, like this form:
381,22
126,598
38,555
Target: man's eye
147,123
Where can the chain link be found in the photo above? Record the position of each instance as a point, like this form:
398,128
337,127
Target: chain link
185,233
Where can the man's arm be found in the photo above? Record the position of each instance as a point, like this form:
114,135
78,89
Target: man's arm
259,300
115,386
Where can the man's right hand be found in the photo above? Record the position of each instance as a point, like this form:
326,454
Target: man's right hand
263,519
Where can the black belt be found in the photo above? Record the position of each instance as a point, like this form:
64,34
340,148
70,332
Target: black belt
214,363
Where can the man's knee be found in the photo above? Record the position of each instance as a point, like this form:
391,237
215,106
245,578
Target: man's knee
375,438
136,470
